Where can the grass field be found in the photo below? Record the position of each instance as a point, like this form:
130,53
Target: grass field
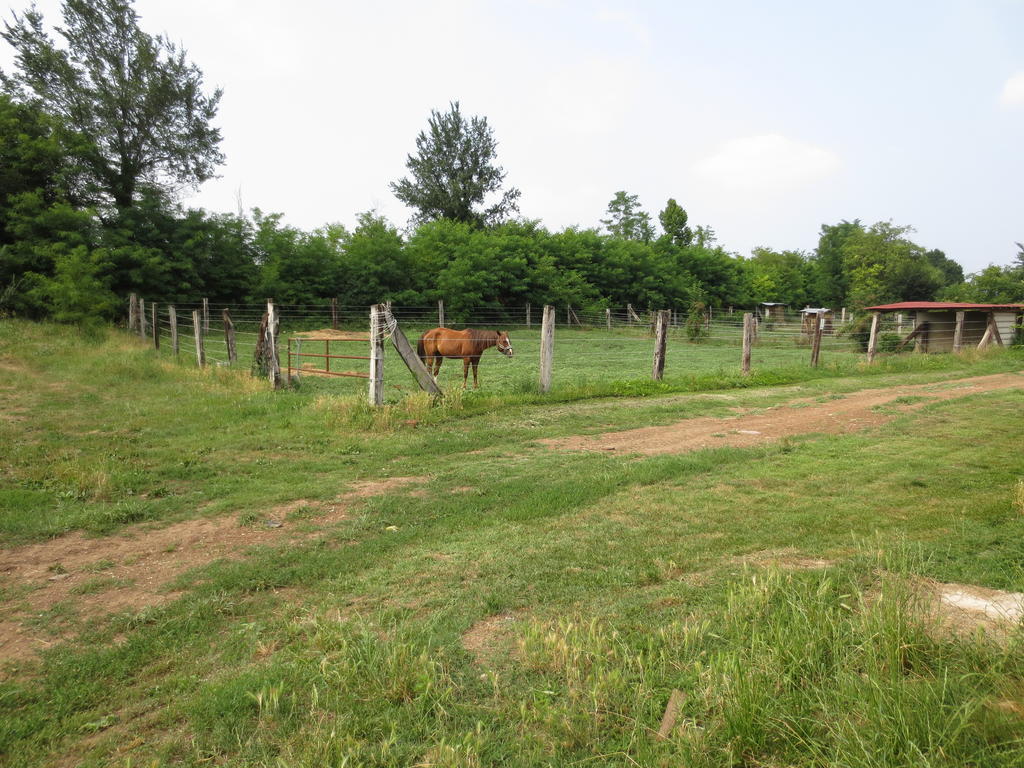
438,588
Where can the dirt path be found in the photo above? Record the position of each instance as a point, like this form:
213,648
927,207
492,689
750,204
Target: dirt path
845,413
133,569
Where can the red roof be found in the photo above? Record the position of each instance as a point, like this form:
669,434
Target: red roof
940,305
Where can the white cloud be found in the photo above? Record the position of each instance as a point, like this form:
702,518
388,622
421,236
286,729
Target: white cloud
1013,91
770,162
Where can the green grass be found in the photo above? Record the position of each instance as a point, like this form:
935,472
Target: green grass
623,578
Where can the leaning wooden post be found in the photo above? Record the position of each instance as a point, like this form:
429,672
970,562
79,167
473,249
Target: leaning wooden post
958,332
991,332
376,355
412,361
229,337
172,319
440,313
660,337
996,336
819,321
155,324
873,338
748,334
334,313
197,330
547,347
142,318
273,361
206,315
133,312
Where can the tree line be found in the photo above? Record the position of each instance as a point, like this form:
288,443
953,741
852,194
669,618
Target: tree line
98,134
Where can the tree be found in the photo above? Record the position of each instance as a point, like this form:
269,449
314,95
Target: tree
884,265
627,220
673,221
952,272
833,277
779,276
453,172
134,99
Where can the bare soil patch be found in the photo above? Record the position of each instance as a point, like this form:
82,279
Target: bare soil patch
850,413
786,559
964,609
141,561
488,636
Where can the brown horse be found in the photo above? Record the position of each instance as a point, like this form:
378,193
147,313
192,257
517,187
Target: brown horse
438,343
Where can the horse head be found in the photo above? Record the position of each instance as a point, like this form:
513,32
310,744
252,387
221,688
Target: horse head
504,345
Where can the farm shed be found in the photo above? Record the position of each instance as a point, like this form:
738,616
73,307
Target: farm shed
773,311
811,315
935,322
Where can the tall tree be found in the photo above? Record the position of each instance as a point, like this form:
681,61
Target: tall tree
884,265
627,220
952,272
453,172
834,279
673,220
135,99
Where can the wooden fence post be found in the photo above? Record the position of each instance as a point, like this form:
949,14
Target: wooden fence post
748,334
197,330
842,317
334,313
660,338
608,318
142,318
527,314
376,355
133,312
819,321
547,347
229,337
172,318
873,338
206,315
273,360
958,332
440,313
298,360
155,324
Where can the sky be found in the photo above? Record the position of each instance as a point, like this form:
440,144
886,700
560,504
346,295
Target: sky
763,120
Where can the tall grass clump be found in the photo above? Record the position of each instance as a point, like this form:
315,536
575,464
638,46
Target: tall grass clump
344,692
832,668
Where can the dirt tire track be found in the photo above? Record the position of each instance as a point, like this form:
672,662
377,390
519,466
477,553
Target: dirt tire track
853,412
143,560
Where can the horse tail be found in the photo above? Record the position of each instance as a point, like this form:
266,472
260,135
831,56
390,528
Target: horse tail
421,349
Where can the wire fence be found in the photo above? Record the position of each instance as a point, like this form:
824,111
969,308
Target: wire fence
590,346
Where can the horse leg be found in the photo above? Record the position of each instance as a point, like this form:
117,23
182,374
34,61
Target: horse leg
476,362
465,371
